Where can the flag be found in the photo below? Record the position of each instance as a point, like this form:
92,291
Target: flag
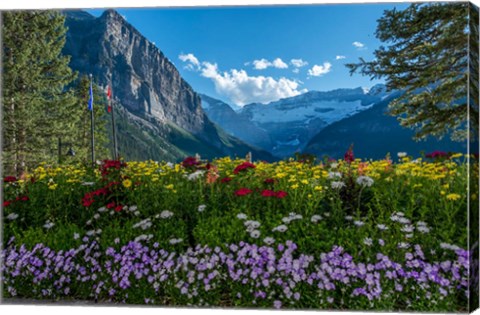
109,97
90,100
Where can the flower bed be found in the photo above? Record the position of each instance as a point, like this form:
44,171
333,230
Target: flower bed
346,234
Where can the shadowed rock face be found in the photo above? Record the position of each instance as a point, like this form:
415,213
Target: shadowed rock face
143,79
160,110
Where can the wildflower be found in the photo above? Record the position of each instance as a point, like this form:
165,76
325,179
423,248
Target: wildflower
174,241
358,223
127,183
381,242
243,192
165,214
368,241
255,234
349,157
281,194
403,245
268,193
225,179
9,179
242,216
348,218
118,208
382,227
402,154
334,175
453,197
195,175
281,228
201,208
48,225
277,304
337,185
76,236
190,162
12,216
269,240
315,218
364,181
243,167
423,229
6,203
269,181
407,228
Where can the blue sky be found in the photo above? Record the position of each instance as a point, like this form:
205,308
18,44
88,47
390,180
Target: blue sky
263,53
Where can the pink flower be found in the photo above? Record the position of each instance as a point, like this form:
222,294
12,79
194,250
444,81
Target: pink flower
243,192
243,167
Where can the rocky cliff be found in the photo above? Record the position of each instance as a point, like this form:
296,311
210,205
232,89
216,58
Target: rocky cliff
143,79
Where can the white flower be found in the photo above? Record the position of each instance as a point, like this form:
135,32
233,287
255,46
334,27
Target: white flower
252,224
382,227
96,216
334,165
195,175
242,216
174,241
409,235
368,241
334,175
269,240
170,164
88,183
337,185
348,218
143,237
90,233
403,245
201,208
48,225
449,246
359,223
132,208
281,228
102,209
315,218
327,214
365,181
165,214
255,234
403,220
76,236
89,222
407,229
402,154
394,218
423,229
12,216
144,224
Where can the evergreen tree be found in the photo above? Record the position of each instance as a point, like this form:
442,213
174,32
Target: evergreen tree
36,107
426,57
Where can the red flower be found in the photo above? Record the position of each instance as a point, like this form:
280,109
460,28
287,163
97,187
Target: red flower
268,193
269,181
111,205
190,161
349,157
243,192
225,179
6,203
436,154
281,194
243,167
118,208
24,198
87,201
9,179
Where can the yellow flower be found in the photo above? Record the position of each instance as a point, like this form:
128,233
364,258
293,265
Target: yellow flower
127,183
318,188
169,186
304,181
52,186
453,197
295,186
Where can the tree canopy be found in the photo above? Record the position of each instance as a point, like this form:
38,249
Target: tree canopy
425,54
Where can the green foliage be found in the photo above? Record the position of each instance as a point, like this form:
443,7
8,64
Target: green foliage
426,57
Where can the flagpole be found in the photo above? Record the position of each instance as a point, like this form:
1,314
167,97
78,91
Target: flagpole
115,150
92,133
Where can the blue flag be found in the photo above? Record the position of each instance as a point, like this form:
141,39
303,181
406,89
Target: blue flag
90,100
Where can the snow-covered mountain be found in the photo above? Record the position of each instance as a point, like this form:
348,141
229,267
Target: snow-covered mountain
284,127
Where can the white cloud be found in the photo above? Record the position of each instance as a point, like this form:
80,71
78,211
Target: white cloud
318,71
298,63
191,61
359,45
278,63
263,63
296,70
243,89
340,57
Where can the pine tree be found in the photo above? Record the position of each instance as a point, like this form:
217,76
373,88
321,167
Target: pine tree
36,106
426,56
